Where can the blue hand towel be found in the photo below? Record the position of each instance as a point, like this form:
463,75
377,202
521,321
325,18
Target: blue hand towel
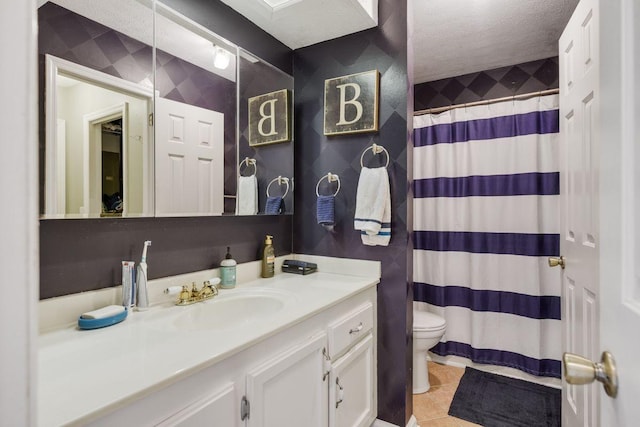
325,210
274,205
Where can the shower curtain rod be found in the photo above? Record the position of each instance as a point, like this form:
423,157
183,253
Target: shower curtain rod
438,110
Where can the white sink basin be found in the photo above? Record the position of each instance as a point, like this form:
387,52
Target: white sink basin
230,309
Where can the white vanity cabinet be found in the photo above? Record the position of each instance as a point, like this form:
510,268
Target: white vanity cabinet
219,409
352,390
289,390
307,359
288,379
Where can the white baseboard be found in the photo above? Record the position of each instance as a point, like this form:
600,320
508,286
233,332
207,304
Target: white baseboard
379,423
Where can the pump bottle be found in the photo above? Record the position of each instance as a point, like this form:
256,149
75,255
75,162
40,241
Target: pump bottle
268,258
228,271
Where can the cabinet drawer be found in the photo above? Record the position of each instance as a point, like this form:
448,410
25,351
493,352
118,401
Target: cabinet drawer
350,329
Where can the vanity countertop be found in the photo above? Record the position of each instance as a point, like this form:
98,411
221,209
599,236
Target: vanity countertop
84,373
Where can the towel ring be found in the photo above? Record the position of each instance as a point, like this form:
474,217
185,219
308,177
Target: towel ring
280,180
331,177
377,149
249,162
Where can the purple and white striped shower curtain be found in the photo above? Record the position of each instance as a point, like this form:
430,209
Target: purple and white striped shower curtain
486,190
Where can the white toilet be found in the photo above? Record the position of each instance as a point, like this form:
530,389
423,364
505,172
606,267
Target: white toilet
428,328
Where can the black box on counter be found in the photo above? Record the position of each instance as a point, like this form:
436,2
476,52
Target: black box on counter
299,267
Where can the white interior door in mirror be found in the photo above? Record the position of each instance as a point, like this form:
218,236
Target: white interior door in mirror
189,160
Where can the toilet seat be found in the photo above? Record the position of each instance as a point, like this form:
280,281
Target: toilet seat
425,321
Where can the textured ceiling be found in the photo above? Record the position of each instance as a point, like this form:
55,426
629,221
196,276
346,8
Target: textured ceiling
451,37
456,37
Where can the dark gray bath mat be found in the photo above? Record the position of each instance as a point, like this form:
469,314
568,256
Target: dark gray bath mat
495,401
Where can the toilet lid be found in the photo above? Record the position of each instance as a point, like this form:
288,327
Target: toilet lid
425,321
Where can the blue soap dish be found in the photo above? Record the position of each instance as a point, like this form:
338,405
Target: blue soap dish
102,323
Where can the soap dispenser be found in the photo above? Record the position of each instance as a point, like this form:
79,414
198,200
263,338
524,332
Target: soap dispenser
268,258
228,271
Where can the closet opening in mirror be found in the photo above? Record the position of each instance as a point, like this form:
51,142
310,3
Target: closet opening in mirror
112,181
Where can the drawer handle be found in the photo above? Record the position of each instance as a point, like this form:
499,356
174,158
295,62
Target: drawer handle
356,330
339,393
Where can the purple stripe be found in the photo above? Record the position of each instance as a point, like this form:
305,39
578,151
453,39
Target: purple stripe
534,183
537,122
534,307
538,367
494,243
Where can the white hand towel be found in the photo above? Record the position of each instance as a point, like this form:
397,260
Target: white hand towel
247,195
373,207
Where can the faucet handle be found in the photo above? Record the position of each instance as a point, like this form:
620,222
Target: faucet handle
172,290
185,296
213,282
209,290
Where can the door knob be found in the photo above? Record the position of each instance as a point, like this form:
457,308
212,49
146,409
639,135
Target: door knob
578,370
555,261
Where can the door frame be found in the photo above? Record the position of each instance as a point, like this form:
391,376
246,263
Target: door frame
19,219
92,156
620,242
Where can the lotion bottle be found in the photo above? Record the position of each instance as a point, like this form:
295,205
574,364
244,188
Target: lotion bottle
268,258
228,271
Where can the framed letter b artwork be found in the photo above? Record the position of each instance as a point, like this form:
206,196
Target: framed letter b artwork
351,103
270,118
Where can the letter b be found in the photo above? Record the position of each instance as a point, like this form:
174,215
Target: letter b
271,117
353,101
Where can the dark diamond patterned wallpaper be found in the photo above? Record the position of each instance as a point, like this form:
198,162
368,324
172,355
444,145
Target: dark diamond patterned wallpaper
385,49
517,79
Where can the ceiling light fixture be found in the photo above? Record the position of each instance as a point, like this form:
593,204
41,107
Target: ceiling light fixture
221,57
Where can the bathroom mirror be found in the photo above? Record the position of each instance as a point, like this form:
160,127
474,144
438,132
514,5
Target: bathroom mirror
195,108
117,140
96,97
272,163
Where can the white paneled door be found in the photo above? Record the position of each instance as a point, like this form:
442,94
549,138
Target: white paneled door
580,100
599,60
189,159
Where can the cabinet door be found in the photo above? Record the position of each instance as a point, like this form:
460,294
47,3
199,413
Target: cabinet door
288,391
220,409
351,387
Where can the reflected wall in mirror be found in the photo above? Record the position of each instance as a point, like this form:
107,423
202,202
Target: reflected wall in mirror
273,168
95,67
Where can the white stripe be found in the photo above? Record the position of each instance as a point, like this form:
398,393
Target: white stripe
499,331
501,156
515,214
511,273
498,109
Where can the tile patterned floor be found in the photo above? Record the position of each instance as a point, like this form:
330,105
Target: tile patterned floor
431,408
